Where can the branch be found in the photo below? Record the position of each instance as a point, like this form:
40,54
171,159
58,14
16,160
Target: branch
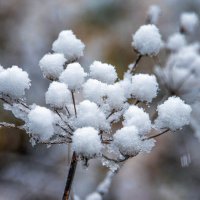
8,125
136,62
70,177
156,135
73,99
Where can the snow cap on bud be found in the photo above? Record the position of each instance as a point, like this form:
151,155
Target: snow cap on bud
89,114
73,76
103,72
40,123
58,95
52,65
128,141
173,114
14,81
147,40
86,142
135,116
175,42
189,22
153,14
68,44
144,87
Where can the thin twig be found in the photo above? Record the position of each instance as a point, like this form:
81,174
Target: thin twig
8,125
74,103
156,135
136,63
70,177
115,160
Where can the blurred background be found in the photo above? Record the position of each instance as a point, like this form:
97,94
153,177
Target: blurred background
27,30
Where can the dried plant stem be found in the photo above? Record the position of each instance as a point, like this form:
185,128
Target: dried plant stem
136,62
74,103
158,134
70,177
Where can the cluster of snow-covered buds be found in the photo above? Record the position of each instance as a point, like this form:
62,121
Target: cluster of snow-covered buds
180,75
85,106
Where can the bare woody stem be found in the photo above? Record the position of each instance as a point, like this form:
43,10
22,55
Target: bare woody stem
74,103
156,135
70,177
136,62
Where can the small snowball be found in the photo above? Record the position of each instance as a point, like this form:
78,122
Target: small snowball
173,114
153,14
86,142
94,196
175,42
73,76
14,81
52,65
94,90
189,22
40,123
89,114
58,95
115,96
147,40
128,141
144,87
68,44
103,72
135,116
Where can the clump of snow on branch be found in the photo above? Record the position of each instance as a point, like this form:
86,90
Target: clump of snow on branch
173,114
147,40
40,123
175,42
58,95
189,22
69,45
52,65
73,76
86,142
135,116
144,87
103,72
13,82
153,14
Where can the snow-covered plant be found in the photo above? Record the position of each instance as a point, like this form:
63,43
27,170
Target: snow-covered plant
83,108
180,74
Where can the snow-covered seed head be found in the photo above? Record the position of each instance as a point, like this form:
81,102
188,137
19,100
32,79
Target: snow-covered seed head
94,90
153,14
189,22
14,81
147,40
89,114
115,96
58,95
86,142
69,45
128,141
173,114
135,116
175,42
103,72
144,87
52,65
73,76
1,69
40,123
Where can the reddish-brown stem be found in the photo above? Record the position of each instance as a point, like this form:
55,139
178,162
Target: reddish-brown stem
70,177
